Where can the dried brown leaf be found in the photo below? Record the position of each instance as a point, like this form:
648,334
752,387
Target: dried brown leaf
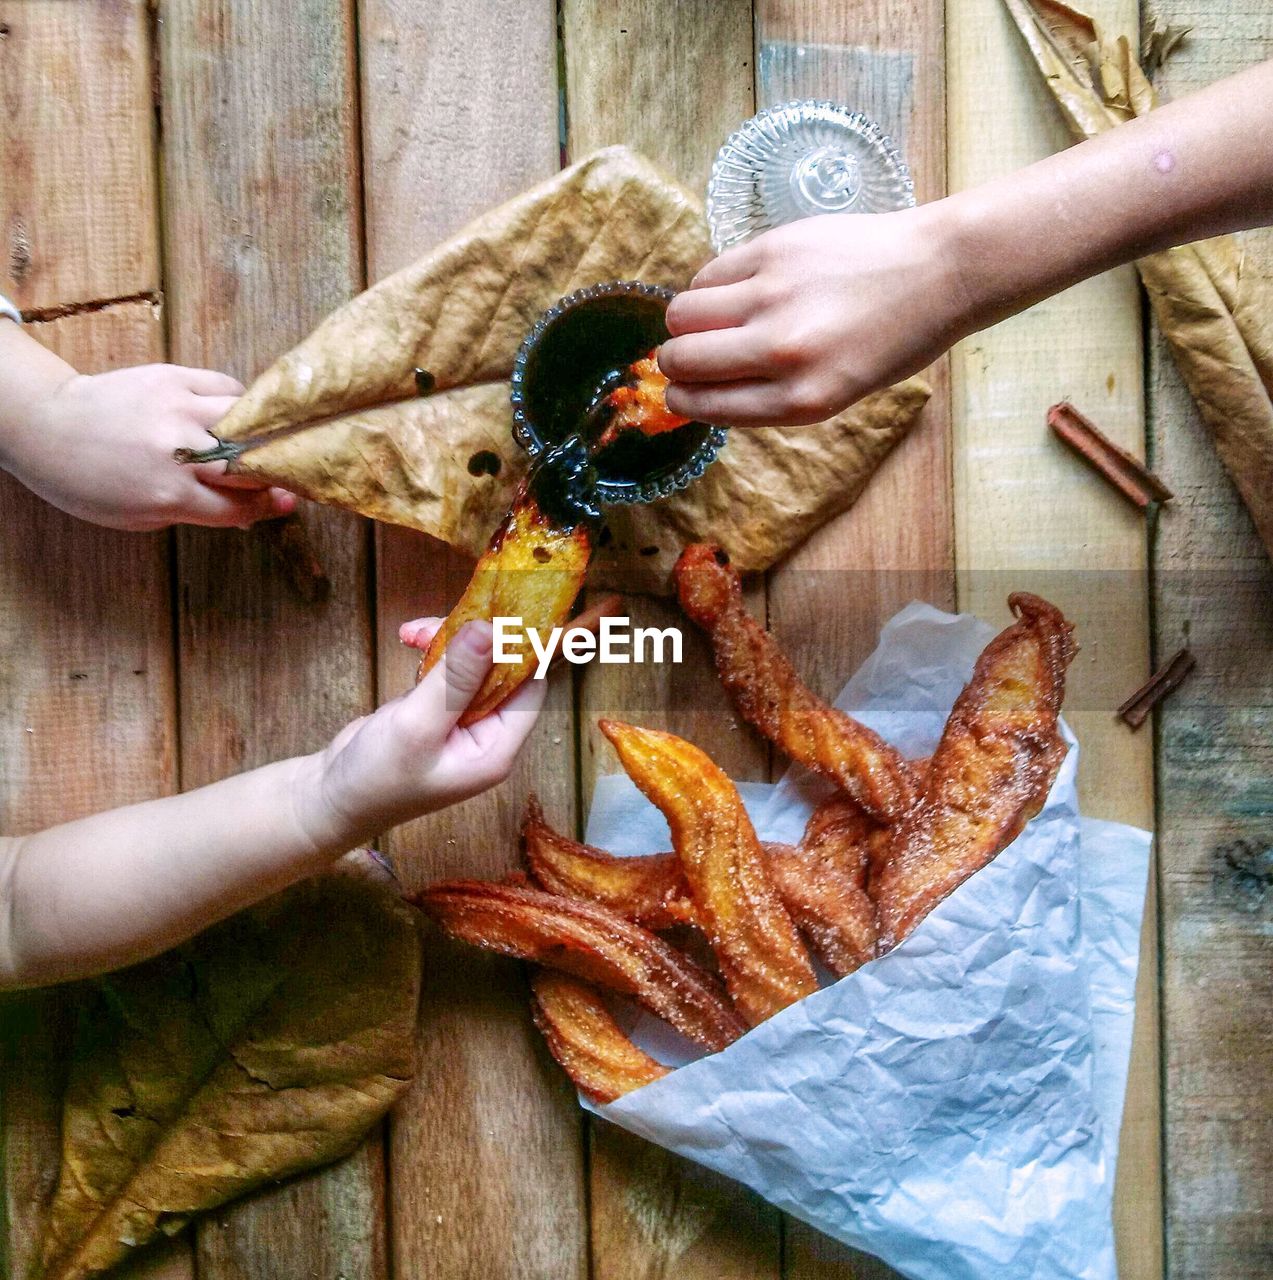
338,419
268,1045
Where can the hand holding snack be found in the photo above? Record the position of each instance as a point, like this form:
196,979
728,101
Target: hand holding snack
422,751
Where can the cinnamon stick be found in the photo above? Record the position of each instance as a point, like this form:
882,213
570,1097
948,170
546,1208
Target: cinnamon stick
1135,711
1127,474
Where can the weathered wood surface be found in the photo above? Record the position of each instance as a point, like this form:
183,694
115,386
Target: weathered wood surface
86,660
75,81
828,600
1029,516
459,113
1214,592
262,239
675,96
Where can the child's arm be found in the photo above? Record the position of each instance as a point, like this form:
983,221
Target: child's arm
802,321
101,447
120,886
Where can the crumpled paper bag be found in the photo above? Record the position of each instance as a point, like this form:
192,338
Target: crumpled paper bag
339,418
1213,303
954,1106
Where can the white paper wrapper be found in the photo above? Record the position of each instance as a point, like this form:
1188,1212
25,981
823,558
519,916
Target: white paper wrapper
954,1106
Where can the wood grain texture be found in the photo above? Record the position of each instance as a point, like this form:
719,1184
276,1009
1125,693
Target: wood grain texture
75,83
828,600
1031,517
86,683
1213,588
263,238
460,112
674,91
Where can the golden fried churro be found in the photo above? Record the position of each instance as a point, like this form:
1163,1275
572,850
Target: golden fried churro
532,570
991,773
584,1037
651,891
639,403
761,957
771,696
590,942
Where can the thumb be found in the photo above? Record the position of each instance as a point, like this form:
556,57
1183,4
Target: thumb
447,688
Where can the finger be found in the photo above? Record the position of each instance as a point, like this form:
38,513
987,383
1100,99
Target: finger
419,633
502,734
738,263
718,308
722,355
207,411
751,403
210,382
435,705
232,508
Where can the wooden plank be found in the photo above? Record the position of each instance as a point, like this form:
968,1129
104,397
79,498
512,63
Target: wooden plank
460,112
1213,584
1030,516
87,673
87,687
674,91
263,238
828,600
75,83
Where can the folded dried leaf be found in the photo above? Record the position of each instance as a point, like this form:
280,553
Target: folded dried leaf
990,774
583,1036
761,957
772,697
590,942
268,1045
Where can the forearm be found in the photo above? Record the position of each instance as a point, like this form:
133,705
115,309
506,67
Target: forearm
1195,168
29,374
119,886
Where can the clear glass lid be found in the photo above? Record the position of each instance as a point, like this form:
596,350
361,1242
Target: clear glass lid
799,159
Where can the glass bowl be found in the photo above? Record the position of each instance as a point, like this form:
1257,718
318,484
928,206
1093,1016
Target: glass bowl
800,159
574,355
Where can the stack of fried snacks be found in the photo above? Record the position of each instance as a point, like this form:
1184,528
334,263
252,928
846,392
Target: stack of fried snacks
877,855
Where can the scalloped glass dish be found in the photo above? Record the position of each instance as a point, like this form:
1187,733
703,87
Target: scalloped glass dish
573,355
800,159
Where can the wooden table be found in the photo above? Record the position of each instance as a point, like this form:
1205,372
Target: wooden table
203,180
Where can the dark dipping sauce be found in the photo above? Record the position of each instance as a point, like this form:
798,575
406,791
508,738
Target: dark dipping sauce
573,359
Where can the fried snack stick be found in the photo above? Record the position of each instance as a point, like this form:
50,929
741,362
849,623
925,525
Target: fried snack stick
990,774
761,957
586,940
585,1039
651,891
640,404
821,883
532,570
771,696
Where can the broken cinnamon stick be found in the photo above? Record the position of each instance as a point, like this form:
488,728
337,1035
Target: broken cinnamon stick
1127,474
1135,711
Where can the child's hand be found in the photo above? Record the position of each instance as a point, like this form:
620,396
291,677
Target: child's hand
799,323
101,448
409,757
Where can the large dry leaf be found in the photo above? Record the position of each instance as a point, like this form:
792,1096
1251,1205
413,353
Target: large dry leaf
1214,305
338,419
268,1045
